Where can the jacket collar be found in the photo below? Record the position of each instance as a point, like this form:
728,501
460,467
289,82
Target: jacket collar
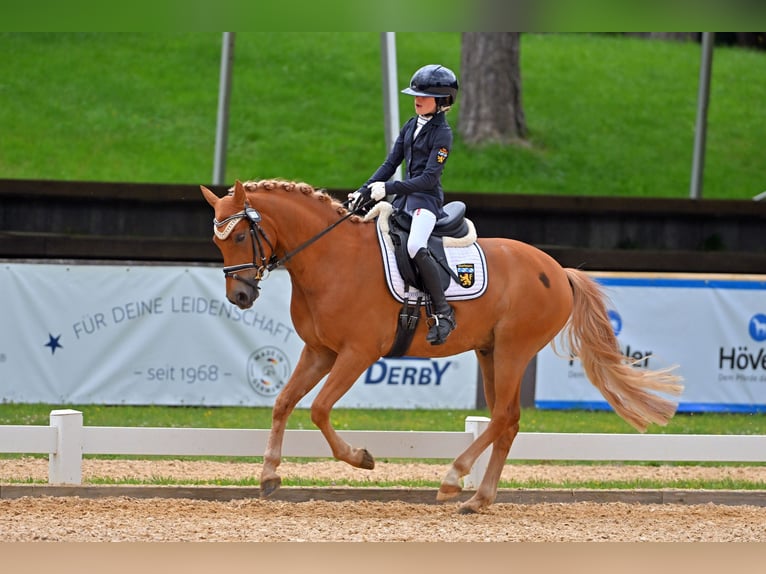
437,120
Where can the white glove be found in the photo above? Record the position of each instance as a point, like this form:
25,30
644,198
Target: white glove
353,197
378,189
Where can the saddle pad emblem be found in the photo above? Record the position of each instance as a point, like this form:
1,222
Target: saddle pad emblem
467,274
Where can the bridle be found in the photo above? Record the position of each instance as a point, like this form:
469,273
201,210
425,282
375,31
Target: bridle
263,265
223,229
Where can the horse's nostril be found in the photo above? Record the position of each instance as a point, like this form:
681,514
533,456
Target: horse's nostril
243,299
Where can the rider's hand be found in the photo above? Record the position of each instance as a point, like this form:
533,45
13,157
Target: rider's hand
378,190
355,198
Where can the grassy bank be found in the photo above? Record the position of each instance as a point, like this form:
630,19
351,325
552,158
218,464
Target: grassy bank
606,115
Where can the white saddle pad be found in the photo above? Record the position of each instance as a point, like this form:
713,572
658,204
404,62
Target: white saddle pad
464,255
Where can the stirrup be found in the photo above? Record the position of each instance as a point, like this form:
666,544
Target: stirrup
441,327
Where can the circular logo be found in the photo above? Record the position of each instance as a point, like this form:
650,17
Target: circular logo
615,320
757,327
268,369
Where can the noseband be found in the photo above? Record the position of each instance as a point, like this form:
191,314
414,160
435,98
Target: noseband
223,229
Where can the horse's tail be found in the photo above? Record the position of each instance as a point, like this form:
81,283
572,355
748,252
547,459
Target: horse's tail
590,336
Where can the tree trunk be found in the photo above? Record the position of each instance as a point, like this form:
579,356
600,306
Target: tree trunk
490,101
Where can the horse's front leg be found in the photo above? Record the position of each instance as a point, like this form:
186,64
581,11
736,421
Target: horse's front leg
347,369
312,366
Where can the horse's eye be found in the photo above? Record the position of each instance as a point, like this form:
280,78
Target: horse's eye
240,237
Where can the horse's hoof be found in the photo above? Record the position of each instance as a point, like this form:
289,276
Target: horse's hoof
466,509
368,461
270,486
448,492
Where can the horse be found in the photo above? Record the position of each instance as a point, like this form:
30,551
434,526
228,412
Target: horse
347,319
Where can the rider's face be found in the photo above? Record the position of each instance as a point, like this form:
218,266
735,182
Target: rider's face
425,105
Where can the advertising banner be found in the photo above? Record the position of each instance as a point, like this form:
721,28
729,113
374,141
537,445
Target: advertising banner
166,335
712,327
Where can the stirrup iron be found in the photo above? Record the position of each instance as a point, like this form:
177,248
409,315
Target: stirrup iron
440,326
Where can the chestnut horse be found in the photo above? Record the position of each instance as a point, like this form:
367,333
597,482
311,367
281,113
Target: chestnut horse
342,310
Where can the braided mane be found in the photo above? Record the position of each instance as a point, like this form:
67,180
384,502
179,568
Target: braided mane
320,195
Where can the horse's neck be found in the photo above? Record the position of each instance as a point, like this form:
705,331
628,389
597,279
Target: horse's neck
298,233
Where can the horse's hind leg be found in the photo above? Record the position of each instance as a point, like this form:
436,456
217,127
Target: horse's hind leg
504,401
487,491
451,486
312,366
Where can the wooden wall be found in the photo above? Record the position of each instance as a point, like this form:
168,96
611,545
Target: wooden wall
145,222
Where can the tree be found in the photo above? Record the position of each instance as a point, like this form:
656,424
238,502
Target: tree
490,101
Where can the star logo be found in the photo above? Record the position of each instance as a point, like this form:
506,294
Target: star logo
53,343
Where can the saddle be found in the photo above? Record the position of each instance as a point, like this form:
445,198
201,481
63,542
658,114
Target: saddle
452,244
453,224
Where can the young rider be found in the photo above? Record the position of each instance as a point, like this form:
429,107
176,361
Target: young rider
424,143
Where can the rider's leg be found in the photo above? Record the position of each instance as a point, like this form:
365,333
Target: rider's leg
423,222
422,226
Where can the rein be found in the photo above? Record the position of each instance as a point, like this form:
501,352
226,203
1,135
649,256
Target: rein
258,235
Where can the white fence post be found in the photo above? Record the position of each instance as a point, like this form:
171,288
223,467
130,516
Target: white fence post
476,426
65,465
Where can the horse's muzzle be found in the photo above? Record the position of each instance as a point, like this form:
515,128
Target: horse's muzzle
242,290
243,295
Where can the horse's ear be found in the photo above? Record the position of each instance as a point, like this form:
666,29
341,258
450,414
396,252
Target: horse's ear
210,197
239,194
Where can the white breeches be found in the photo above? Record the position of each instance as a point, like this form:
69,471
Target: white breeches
423,222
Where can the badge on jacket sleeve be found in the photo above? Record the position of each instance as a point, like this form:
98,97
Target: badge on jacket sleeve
441,155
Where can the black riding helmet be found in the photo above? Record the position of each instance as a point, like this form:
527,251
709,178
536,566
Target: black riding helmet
434,81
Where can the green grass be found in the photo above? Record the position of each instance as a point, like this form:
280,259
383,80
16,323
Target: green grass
607,115
724,484
532,420
253,482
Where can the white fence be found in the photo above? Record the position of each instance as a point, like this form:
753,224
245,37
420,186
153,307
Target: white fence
66,440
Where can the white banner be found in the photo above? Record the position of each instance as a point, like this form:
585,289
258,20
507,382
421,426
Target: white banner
712,327
115,334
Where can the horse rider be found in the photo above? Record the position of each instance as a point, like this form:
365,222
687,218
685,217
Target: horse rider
424,142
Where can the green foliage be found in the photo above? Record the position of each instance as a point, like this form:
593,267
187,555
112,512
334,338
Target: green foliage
607,115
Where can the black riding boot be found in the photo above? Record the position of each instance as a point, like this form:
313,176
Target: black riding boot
443,316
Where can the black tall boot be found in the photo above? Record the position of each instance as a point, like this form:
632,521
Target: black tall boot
443,316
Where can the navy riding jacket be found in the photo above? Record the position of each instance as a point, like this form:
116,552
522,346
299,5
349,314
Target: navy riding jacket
425,158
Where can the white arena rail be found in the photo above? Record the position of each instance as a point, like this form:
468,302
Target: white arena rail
66,440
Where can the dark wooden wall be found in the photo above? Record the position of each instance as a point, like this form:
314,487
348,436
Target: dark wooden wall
145,222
